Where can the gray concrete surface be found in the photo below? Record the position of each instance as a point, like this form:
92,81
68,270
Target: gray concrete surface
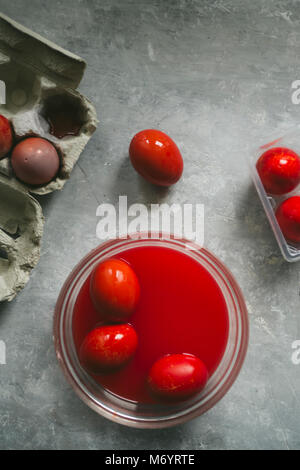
216,76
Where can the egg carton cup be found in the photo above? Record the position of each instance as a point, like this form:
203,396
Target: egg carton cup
291,140
38,75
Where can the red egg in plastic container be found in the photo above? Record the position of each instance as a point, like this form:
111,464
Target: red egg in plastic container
275,169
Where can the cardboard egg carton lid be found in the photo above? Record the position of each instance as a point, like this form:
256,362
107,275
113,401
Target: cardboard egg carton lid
31,49
21,229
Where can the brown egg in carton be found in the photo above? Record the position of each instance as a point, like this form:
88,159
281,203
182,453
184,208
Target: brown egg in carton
41,100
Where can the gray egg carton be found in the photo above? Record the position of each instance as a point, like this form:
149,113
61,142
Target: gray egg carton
35,72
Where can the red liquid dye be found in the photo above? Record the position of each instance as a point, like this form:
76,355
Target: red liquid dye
181,310
64,116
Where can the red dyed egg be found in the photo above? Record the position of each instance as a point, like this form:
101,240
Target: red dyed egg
156,157
6,137
288,216
177,376
114,289
279,170
108,347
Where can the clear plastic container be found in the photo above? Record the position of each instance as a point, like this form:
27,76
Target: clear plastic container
142,415
291,140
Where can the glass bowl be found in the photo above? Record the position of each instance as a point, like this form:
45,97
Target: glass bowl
149,415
